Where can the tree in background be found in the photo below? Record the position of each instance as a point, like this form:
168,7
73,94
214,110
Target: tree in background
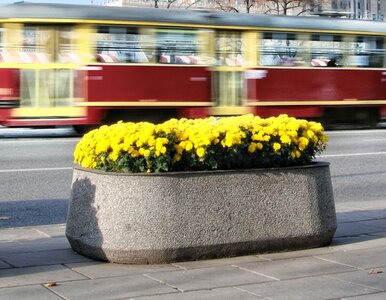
291,7
277,7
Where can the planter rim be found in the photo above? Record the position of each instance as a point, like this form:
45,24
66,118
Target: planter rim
314,164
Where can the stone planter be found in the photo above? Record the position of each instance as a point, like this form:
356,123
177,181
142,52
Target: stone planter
167,217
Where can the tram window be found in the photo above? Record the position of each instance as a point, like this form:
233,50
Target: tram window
229,49
44,44
66,52
326,50
366,51
1,39
118,44
177,46
37,42
280,49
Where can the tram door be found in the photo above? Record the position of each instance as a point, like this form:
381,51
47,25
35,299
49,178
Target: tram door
228,83
46,56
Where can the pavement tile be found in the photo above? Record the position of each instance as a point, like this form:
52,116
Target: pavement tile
215,294
298,253
36,275
371,258
112,288
97,269
43,258
362,277
208,278
359,242
52,230
294,268
376,296
361,205
360,215
355,228
4,265
16,234
34,245
218,262
380,223
315,288
379,234
33,292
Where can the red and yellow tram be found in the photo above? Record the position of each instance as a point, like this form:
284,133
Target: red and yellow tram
84,65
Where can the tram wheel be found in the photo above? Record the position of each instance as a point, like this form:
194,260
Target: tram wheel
351,117
83,129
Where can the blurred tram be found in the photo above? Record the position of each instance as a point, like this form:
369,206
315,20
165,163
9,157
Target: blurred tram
87,65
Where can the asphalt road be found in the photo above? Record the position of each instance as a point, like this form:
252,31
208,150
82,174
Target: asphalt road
36,171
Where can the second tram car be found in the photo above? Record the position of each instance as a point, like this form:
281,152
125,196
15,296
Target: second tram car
84,65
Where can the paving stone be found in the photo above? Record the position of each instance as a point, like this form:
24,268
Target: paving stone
218,262
376,296
350,240
360,242
52,230
315,288
8,247
379,234
43,258
380,223
16,234
112,288
355,228
362,277
34,245
36,275
215,294
293,268
34,292
371,258
360,215
298,253
372,205
209,278
4,265
101,269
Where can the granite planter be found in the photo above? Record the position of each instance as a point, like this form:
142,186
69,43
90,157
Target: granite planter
168,217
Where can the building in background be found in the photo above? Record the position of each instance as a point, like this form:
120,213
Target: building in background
355,9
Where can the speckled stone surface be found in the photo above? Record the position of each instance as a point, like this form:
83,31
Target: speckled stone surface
168,217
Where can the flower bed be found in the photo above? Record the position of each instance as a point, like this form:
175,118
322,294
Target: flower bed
195,189
202,144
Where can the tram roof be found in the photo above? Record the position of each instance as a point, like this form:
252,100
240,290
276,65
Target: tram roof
25,10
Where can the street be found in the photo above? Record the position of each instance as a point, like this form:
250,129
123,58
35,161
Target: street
36,171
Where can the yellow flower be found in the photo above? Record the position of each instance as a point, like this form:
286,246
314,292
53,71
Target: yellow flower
177,157
200,152
189,146
276,147
252,147
285,139
303,143
295,153
146,153
185,135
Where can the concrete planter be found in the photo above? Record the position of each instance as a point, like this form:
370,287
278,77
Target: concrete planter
167,217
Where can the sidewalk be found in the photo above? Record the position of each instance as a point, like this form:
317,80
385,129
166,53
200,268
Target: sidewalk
38,263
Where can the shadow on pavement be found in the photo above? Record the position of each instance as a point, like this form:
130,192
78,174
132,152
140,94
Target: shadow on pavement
33,212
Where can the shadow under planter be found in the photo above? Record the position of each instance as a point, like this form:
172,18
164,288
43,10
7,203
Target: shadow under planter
168,217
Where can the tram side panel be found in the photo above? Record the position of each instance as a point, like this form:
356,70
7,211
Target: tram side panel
317,88
9,93
149,87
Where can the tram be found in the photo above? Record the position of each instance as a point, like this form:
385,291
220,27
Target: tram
87,65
